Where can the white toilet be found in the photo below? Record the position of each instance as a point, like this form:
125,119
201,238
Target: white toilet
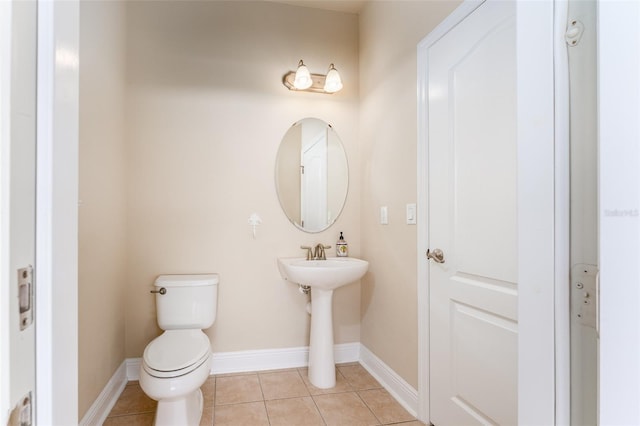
176,363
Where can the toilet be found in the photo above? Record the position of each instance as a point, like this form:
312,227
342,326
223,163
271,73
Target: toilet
177,363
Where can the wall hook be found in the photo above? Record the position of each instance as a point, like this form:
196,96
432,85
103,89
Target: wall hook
254,220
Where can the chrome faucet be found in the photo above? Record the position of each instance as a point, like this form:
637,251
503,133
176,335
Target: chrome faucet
319,252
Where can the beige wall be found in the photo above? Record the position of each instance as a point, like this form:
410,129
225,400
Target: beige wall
102,259
206,111
389,33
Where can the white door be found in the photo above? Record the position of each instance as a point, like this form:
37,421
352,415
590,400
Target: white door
472,220
18,155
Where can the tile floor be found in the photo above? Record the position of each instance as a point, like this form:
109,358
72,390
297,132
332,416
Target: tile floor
282,397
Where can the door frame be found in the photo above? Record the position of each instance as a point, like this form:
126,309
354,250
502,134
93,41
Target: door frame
57,213
619,217
5,143
542,172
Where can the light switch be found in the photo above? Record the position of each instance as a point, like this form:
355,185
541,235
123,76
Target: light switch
384,218
411,214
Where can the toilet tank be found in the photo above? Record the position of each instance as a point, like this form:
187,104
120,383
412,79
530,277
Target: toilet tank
190,301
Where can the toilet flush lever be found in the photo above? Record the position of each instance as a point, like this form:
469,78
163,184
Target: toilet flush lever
161,291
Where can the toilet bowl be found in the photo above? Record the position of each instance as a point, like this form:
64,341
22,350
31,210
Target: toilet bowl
178,362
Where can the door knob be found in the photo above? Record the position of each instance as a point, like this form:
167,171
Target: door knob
437,255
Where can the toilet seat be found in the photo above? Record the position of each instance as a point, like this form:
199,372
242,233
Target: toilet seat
176,353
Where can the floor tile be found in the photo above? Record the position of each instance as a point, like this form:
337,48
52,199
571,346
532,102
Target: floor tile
287,384
133,400
293,411
384,406
358,377
207,416
341,384
248,414
145,419
239,373
208,391
344,409
237,389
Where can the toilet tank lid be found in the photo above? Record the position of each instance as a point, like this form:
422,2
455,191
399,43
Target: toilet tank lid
186,280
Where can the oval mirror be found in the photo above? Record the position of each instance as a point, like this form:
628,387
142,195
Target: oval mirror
312,175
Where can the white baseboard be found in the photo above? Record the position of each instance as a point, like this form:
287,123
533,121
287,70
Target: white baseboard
402,391
101,407
260,360
133,368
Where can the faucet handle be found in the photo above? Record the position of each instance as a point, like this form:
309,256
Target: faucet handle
309,252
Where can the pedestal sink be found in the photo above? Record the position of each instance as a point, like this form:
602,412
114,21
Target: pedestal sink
323,276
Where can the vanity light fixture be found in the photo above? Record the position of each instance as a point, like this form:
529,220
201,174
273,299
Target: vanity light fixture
303,80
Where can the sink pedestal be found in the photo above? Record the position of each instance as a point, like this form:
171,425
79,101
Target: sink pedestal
322,369
323,276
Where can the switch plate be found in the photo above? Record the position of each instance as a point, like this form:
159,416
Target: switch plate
384,216
411,214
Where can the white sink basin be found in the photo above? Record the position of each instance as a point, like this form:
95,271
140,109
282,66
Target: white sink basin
322,274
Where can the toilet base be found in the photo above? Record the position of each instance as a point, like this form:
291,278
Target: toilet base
185,411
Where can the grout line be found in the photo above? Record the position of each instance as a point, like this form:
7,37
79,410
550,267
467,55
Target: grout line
367,405
264,402
319,411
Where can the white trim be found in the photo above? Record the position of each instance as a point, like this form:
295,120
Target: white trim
562,217
422,230
402,391
132,366
57,214
5,146
536,205
460,13
44,221
261,360
619,203
101,407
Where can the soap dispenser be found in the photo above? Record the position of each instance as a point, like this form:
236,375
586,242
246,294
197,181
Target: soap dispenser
342,250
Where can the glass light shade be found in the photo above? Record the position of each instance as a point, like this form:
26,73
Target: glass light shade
303,77
333,82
